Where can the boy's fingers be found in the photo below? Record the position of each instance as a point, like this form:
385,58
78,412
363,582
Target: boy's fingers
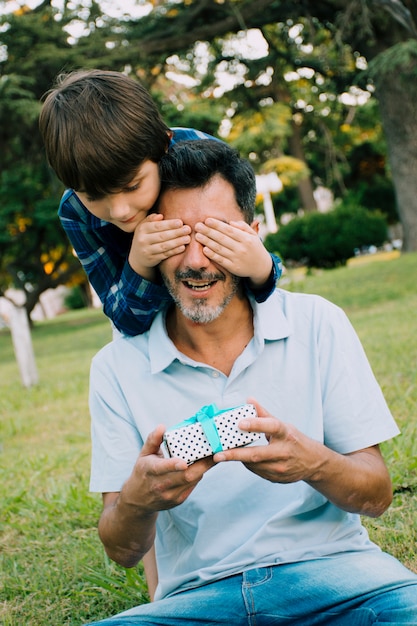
160,224
154,217
230,229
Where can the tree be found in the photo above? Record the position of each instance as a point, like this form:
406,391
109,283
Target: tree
35,254
383,32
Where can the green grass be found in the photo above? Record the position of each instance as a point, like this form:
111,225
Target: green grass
52,566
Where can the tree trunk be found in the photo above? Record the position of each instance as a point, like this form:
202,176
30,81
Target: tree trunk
305,187
397,96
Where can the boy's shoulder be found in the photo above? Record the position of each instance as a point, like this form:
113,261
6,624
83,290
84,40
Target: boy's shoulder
181,133
71,209
71,204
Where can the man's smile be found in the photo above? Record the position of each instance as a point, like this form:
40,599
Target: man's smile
198,281
198,286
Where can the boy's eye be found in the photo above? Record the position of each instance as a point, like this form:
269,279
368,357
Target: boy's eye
131,188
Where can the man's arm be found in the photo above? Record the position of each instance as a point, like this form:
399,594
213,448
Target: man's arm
128,520
358,482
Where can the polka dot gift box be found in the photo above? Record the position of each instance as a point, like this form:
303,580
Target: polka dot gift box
209,431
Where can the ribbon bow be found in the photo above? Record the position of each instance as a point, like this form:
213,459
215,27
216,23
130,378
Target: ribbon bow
205,416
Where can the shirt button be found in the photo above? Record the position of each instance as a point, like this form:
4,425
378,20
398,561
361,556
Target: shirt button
215,374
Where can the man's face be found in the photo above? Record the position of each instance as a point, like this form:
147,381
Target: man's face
200,288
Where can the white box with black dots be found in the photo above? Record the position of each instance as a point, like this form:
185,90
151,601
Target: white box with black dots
209,431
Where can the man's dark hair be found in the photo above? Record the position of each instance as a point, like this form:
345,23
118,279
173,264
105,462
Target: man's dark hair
192,164
98,128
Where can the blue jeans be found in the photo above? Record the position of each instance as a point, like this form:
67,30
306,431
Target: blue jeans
353,589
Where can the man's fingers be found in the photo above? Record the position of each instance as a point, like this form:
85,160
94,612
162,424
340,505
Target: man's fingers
154,441
270,426
259,409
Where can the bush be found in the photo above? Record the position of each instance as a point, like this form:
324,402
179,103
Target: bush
328,239
75,299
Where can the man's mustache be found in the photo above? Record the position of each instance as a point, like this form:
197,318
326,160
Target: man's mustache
191,274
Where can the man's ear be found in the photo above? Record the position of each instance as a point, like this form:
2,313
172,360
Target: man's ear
255,226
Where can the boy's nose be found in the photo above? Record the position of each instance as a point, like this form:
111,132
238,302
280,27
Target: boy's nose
118,206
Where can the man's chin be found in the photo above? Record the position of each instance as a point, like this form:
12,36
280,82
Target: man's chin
201,314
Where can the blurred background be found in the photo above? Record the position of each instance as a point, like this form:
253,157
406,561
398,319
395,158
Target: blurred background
320,96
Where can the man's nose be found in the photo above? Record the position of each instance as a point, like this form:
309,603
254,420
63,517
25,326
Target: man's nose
194,256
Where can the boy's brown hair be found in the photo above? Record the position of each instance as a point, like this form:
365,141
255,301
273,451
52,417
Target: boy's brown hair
98,128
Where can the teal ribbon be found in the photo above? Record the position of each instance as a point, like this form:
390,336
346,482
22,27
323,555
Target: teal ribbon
205,417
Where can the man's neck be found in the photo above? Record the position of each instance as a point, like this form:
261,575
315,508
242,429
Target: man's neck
218,343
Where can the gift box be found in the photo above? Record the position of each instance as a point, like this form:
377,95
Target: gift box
209,431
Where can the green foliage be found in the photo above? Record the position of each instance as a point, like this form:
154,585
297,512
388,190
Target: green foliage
369,183
203,115
257,129
286,201
35,254
328,239
400,59
75,299
375,195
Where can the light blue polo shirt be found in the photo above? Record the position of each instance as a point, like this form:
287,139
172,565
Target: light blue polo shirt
306,366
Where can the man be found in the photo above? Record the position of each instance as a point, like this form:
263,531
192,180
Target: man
267,534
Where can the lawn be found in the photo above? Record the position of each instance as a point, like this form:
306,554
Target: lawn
52,567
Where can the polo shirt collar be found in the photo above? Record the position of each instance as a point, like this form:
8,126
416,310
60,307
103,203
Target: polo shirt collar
270,324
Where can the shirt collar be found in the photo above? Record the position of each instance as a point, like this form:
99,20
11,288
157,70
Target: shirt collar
270,324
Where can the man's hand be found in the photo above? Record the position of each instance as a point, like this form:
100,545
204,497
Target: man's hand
357,482
158,483
286,458
236,246
154,240
127,523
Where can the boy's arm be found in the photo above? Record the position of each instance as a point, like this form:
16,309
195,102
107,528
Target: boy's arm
130,301
151,571
263,292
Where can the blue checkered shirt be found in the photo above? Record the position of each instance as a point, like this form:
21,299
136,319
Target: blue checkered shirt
130,301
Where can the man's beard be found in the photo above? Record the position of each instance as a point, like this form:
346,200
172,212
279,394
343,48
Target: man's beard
199,311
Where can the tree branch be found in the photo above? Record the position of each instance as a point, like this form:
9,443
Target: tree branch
221,19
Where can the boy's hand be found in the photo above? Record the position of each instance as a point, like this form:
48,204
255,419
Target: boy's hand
236,246
154,240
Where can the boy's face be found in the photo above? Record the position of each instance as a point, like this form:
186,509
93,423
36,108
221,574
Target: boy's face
129,206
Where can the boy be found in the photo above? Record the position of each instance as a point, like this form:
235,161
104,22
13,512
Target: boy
104,138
